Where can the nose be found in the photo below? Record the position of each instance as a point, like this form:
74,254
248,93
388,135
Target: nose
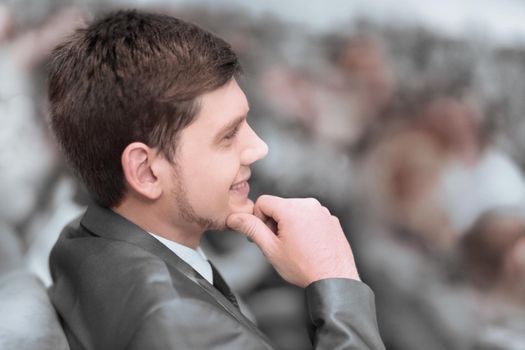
255,148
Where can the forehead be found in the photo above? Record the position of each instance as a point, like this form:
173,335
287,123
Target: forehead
220,106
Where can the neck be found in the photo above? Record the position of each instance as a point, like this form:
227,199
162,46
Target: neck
160,223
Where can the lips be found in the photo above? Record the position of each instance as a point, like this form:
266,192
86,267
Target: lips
244,179
239,186
242,187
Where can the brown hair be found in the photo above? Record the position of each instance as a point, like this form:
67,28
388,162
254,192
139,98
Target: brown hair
129,77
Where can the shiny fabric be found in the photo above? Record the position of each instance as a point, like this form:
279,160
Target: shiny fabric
117,287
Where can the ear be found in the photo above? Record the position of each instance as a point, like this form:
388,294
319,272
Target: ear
137,160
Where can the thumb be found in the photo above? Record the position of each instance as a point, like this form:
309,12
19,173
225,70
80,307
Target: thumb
253,228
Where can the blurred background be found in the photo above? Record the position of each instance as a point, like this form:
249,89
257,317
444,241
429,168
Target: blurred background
405,118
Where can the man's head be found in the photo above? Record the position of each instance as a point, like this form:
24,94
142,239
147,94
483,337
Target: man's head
135,97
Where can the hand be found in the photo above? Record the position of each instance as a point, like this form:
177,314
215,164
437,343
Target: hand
300,238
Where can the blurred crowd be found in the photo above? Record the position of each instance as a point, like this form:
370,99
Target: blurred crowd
414,140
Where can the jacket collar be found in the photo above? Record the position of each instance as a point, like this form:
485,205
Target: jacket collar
106,223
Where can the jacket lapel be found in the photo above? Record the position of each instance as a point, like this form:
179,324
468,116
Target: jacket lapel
108,224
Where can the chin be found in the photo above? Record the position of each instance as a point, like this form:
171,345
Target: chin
246,207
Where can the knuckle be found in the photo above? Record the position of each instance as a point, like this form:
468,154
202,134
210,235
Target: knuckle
313,202
261,199
250,237
251,230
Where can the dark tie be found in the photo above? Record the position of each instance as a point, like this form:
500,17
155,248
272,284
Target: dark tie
220,284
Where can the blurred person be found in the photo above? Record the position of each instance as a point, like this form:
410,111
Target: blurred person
513,280
445,131
514,271
465,174
366,74
367,82
148,112
320,105
281,82
495,180
478,176
438,171
456,126
30,160
401,177
27,164
27,318
406,236
336,100
492,251
491,255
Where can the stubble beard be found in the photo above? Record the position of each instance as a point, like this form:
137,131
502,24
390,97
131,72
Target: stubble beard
185,209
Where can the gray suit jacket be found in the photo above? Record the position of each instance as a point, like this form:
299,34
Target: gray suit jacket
117,287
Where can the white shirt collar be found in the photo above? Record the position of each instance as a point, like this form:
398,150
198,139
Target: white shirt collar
193,257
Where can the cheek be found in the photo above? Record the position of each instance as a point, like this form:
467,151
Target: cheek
209,182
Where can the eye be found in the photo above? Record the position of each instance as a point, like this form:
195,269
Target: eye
231,135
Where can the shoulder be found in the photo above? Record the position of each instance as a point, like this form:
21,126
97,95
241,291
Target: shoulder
97,267
84,255
104,287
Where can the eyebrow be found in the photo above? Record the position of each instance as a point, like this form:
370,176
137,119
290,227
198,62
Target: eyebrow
229,126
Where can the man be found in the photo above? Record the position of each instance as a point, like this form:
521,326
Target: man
149,114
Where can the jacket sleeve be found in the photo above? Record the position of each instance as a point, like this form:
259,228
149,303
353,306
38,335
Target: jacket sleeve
342,315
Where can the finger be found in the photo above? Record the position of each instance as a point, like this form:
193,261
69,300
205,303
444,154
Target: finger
270,206
254,229
268,221
258,212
